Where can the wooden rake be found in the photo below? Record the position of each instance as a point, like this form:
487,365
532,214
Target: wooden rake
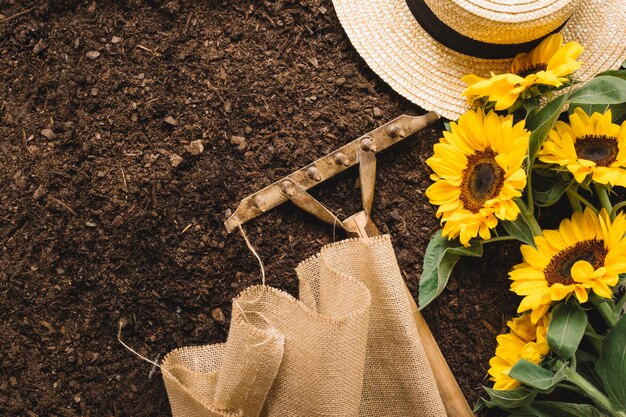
361,151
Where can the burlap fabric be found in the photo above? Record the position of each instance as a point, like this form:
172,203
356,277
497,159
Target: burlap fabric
348,347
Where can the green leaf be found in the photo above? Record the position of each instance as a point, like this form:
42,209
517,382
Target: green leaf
546,198
566,329
535,376
618,111
557,409
520,230
527,412
439,260
582,356
540,125
509,399
480,404
600,90
589,108
613,73
611,367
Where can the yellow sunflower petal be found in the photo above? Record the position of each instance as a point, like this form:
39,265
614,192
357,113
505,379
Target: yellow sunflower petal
563,62
602,290
559,291
581,294
582,271
538,313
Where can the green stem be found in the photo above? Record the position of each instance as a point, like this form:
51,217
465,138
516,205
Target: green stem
568,387
571,194
620,304
594,338
607,313
603,195
498,239
574,201
590,391
616,208
529,218
529,189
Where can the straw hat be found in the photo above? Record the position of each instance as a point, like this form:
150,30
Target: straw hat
422,48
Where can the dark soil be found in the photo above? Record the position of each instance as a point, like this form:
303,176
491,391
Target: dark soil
97,225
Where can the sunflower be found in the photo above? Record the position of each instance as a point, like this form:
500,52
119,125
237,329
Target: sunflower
587,253
524,341
548,64
503,89
589,145
477,173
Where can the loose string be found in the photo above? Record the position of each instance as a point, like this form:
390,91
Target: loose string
253,252
139,355
155,364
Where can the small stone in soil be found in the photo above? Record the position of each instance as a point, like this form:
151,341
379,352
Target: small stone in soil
90,224
240,141
40,192
171,121
195,147
91,9
39,47
218,315
92,54
116,39
48,134
175,160
378,112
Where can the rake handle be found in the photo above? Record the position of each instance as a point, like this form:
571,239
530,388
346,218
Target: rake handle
453,399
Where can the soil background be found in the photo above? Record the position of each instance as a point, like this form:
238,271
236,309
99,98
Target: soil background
107,213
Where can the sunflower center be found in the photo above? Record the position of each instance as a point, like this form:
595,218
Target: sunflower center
559,270
482,180
600,149
531,70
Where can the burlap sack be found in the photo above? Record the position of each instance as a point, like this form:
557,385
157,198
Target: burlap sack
348,347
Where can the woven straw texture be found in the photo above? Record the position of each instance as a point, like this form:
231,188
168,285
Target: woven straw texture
503,22
347,347
387,36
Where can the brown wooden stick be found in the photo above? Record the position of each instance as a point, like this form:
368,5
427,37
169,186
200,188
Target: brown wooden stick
16,15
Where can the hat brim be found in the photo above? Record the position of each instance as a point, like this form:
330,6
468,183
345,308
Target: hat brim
387,36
